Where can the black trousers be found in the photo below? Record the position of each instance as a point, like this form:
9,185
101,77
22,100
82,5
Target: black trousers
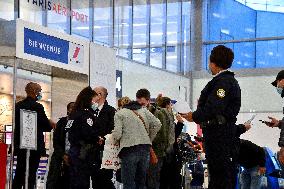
170,177
58,174
101,178
19,179
222,172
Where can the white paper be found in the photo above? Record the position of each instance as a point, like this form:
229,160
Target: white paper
181,106
28,125
110,158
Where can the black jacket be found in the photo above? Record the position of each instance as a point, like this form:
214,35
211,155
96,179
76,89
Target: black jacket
105,120
221,97
251,155
59,137
43,124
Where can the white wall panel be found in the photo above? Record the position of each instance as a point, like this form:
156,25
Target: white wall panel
136,76
102,70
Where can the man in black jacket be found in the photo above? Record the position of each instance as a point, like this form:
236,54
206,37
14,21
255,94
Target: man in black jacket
101,178
59,163
252,159
217,111
33,91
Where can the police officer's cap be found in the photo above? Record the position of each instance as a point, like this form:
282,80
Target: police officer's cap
279,76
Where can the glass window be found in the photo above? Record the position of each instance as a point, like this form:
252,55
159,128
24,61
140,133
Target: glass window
230,19
32,11
157,35
103,21
270,53
173,23
185,35
140,30
269,24
7,10
57,15
80,18
122,27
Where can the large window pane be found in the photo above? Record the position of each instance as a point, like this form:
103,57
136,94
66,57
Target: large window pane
80,18
185,35
269,24
57,16
31,12
157,33
122,27
229,19
7,10
173,23
140,30
103,21
269,53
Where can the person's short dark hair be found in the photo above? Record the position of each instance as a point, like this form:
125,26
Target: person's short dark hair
143,93
163,102
84,99
222,56
70,104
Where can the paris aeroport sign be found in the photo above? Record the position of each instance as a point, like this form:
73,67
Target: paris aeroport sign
60,9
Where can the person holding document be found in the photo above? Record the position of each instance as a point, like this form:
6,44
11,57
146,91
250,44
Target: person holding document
217,111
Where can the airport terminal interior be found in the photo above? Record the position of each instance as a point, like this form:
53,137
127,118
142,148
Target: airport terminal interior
164,46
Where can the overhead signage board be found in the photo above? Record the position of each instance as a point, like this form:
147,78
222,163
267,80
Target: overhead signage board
40,44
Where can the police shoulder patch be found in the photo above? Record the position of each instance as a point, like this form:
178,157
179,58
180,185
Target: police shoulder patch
221,93
90,121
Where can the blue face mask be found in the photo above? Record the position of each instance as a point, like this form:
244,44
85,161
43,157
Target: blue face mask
279,90
95,106
39,96
209,71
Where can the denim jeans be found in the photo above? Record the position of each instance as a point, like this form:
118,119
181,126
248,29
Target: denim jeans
134,167
250,179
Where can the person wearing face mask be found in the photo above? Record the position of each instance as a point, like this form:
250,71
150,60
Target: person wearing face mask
217,110
84,138
279,84
104,113
58,173
33,91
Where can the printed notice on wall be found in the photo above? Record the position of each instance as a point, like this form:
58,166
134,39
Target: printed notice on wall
28,128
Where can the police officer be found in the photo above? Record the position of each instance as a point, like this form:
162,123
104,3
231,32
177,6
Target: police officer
218,107
84,139
279,84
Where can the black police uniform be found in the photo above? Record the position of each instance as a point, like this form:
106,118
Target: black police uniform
58,173
218,107
43,125
83,138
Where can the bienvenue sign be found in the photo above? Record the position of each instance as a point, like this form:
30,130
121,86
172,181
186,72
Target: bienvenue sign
40,44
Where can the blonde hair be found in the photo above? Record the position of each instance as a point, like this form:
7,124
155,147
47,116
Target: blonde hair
122,101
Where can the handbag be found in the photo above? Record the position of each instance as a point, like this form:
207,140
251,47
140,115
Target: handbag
153,156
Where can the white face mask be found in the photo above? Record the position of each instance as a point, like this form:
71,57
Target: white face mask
95,106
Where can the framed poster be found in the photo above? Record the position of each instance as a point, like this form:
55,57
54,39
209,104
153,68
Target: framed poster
28,129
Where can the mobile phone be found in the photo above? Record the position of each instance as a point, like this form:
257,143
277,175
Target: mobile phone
251,119
265,122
